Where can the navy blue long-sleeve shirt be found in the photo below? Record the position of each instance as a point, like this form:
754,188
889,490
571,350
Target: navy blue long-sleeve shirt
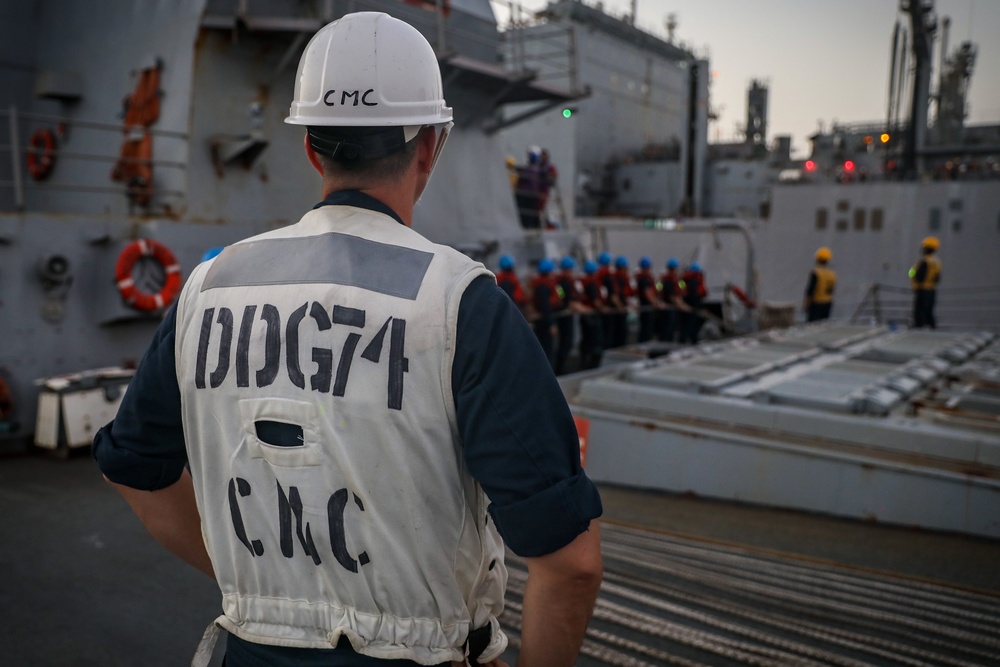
518,436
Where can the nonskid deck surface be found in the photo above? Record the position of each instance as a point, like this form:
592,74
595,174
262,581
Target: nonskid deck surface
669,600
688,582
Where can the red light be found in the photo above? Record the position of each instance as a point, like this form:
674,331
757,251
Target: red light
849,165
810,165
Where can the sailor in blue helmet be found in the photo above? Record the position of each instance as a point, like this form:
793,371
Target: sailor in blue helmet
622,291
508,281
568,285
593,303
673,305
649,299
693,292
345,424
606,277
545,298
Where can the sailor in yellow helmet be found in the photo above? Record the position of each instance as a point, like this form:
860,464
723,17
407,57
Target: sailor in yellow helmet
819,291
512,172
340,419
924,278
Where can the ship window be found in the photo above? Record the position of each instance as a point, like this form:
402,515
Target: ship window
841,225
843,205
955,204
934,219
859,219
876,219
821,218
956,225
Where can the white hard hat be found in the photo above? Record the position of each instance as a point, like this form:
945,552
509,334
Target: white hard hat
369,69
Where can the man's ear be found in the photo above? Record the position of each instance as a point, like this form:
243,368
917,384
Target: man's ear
311,154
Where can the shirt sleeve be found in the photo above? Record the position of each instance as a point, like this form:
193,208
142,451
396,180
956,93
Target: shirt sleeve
518,434
143,446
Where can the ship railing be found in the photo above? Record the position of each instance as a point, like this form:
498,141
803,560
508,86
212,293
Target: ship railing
955,308
18,147
543,49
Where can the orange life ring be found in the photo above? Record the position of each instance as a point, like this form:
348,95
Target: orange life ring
123,275
41,153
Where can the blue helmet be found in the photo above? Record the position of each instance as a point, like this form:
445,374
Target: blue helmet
696,267
567,263
589,267
546,266
604,258
506,262
645,263
621,262
211,252
672,263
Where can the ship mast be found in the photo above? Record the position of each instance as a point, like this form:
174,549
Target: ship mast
923,24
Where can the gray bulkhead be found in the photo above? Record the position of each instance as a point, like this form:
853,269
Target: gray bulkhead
225,165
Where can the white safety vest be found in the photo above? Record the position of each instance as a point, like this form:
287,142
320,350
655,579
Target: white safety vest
314,364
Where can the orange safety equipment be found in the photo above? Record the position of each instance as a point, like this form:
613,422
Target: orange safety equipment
552,283
823,255
508,281
131,294
134,167
694,277
826,280
742,296
931,275
41,153
931,242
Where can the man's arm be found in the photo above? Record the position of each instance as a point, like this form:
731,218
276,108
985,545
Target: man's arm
521,444
171,516
558,601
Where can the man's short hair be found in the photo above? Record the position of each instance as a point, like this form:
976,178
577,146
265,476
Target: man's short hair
362,152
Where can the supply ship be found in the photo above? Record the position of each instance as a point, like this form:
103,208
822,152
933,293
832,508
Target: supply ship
779,494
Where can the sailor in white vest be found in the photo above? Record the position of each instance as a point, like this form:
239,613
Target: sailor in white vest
340,419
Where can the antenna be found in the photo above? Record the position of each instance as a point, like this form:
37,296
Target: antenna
671,24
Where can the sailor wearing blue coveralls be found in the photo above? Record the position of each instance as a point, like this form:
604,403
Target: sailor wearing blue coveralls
569,305
339,419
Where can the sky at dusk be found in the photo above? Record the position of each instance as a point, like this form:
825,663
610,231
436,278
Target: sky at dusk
823,61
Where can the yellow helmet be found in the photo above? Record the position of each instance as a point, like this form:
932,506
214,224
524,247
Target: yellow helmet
823,255
511,162
931,242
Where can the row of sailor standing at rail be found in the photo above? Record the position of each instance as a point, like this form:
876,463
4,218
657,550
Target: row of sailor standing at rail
600,299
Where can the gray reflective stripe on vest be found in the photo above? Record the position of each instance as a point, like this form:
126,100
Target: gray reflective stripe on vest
327,258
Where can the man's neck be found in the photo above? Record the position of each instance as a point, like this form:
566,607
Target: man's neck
397,195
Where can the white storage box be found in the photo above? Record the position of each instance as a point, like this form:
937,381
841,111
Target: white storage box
71,408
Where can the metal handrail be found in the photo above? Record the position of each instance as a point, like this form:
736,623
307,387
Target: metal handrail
18,153
90,124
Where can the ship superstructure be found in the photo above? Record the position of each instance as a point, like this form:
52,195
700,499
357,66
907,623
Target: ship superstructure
162,123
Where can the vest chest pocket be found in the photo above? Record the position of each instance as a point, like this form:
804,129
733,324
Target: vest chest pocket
281,431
